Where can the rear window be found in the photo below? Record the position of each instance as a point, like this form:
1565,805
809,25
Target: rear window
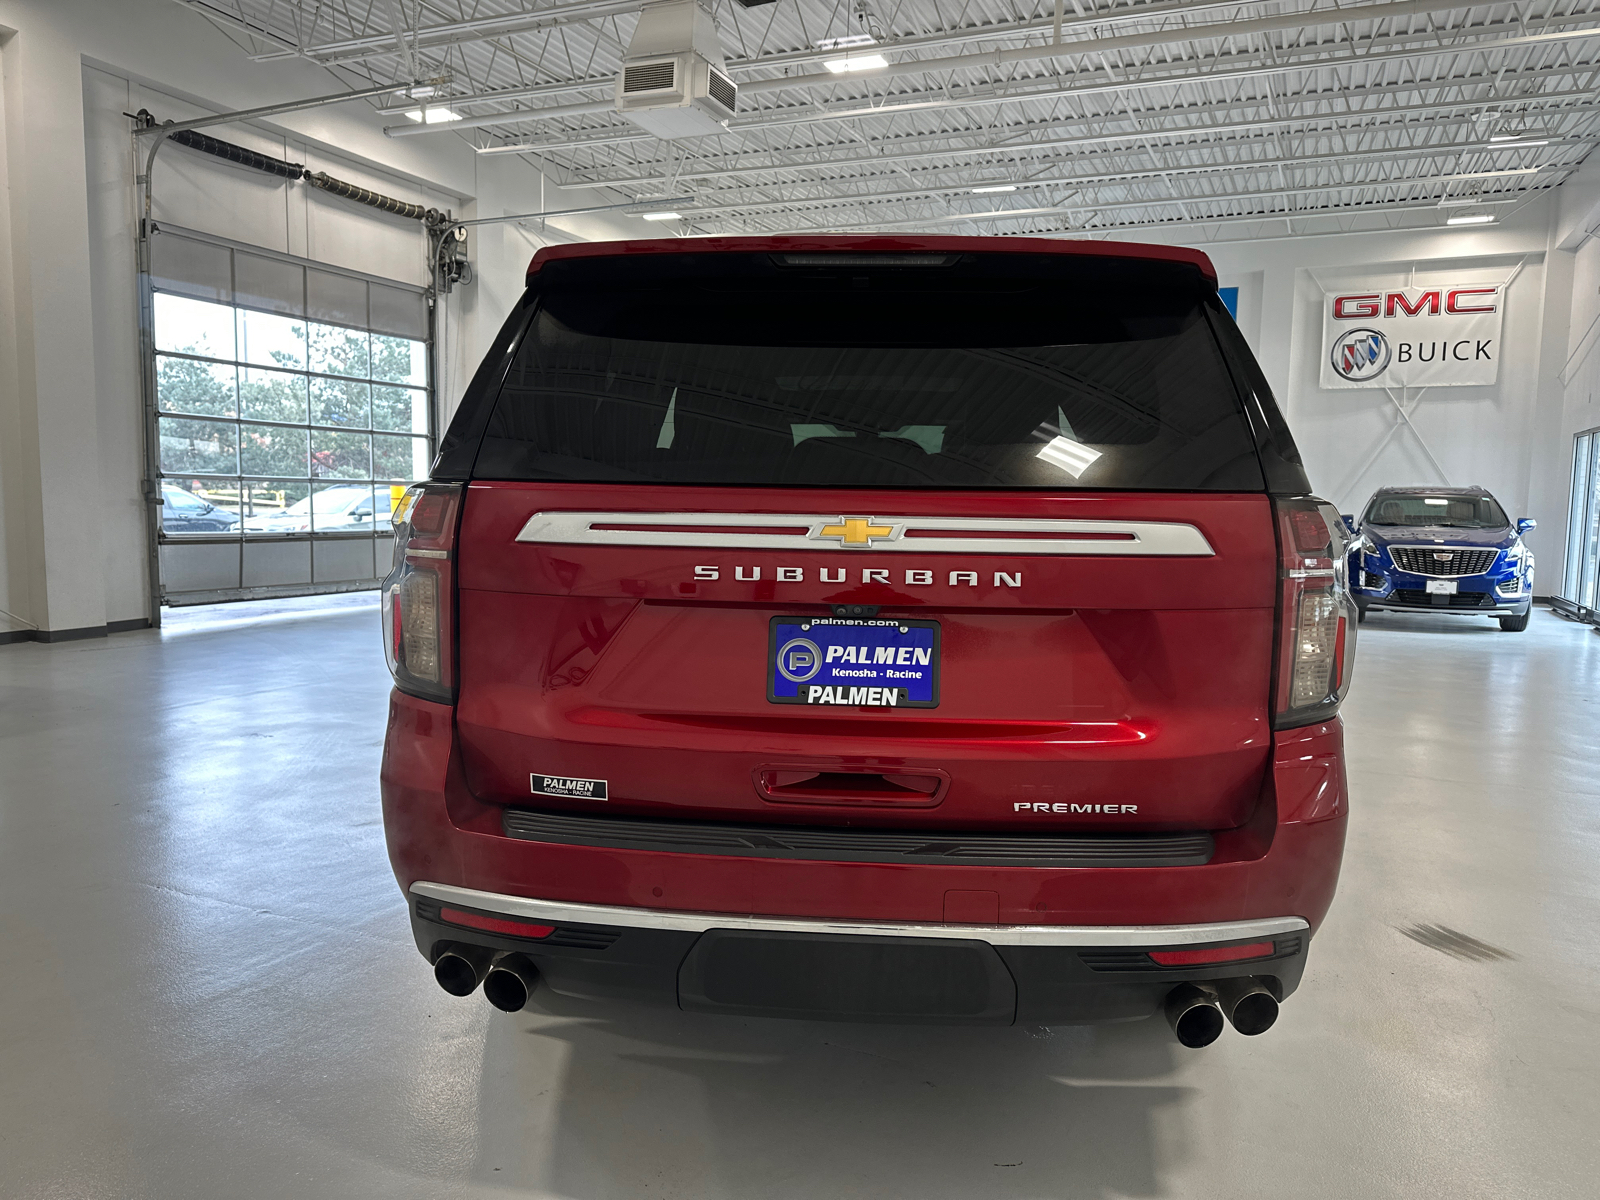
993,371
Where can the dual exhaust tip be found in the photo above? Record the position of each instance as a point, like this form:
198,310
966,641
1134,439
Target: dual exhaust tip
508,978
1196,1011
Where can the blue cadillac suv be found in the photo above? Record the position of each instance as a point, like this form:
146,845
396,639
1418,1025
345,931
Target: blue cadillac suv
1441,550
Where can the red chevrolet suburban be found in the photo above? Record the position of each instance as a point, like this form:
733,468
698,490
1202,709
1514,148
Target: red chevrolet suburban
870,628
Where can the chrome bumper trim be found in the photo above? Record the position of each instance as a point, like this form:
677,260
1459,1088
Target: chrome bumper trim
565,912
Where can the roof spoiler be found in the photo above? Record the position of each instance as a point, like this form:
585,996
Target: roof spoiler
875,243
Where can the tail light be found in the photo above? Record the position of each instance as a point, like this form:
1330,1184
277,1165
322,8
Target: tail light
419,629
1316,614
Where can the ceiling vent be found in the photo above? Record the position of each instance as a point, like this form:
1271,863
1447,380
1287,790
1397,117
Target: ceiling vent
673,83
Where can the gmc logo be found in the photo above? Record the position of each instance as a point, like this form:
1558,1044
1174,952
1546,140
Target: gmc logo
1457,302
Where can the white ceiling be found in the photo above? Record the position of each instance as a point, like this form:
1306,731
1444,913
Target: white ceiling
1234,119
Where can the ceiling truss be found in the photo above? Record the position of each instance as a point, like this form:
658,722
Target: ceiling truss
1281,115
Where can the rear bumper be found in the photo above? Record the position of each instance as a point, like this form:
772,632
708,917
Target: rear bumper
1037,935
853,970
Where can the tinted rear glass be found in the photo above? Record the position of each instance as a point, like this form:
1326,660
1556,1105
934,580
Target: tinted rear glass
1446,511
999,373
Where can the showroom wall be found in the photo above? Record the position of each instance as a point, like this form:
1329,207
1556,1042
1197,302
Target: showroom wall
1355,440
72,532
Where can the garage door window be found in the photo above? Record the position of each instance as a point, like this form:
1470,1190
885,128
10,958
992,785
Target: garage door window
292,406
257,410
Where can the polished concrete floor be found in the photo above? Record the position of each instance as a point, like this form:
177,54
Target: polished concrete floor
208,988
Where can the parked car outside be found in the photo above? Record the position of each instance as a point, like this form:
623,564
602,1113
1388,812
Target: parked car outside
184,512
866,628
1442,550
342,508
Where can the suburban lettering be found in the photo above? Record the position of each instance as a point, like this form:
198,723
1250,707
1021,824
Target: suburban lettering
922,577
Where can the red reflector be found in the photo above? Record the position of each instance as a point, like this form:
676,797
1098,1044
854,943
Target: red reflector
1310,530
427,517
1213,954
496,924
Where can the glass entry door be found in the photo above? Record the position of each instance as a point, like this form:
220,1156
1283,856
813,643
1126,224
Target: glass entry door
1583,522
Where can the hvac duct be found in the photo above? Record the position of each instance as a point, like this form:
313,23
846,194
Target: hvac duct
673,83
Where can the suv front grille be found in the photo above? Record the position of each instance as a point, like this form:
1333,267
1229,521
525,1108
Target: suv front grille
835,844
1442,563
1459,600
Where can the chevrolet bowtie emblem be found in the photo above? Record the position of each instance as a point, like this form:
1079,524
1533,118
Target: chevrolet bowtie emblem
855,531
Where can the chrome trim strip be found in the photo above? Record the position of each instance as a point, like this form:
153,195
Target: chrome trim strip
562,911
1143,538
427,554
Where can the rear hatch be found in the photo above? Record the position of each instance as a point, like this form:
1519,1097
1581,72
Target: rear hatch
942,541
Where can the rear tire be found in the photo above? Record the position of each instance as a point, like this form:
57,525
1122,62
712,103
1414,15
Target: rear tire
1517,623
1361,614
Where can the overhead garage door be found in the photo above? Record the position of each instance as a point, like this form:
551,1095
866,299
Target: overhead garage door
292,403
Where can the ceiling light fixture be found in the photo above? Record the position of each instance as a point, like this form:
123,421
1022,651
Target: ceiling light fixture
846,43
994,187
1471,219
1514,142
857,62
437,114
662,216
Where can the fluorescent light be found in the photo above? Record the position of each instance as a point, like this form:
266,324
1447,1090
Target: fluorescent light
1512,141
435,115
1072,457
847,43
1430,500
1471,219
662,216
857,62
994,187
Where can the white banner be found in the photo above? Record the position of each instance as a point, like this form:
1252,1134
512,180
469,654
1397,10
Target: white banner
1429,336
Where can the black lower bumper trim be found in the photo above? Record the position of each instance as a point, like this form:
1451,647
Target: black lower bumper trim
849,978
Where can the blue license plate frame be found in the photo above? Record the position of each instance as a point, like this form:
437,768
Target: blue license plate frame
801,671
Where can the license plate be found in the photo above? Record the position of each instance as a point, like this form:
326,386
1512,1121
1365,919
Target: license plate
831,661
1442,587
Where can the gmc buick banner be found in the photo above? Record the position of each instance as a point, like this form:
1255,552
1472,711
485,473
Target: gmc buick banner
1444,335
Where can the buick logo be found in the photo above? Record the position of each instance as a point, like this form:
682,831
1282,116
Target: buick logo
1361,354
